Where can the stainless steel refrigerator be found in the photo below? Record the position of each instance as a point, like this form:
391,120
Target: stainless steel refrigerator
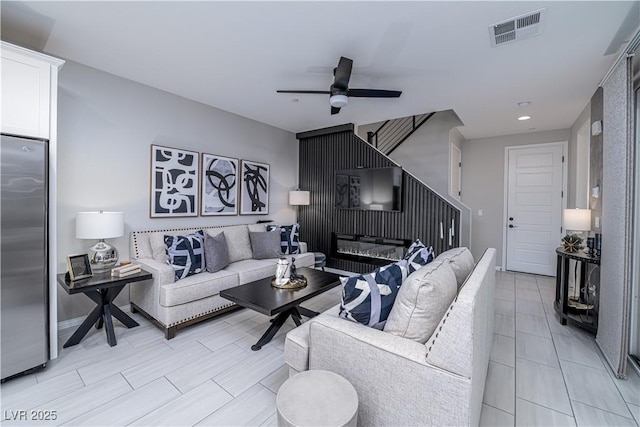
23,256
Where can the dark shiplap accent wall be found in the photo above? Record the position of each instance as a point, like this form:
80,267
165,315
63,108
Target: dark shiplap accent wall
422,209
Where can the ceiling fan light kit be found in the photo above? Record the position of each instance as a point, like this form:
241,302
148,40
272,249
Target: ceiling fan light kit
339,91
338,101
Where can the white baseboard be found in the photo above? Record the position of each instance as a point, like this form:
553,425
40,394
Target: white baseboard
76,321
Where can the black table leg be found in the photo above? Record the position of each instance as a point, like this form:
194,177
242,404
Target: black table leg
272,330
295,315
102,314
306,312
82,330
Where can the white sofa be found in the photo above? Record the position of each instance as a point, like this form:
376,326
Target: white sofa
177,304
402,382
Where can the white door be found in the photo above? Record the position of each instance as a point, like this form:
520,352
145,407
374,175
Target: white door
455,171
534,208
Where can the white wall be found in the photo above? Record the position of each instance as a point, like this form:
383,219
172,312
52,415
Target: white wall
106,126
483,183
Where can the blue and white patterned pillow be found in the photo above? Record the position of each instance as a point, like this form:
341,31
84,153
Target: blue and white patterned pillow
368,298
289,238
186,254
418,255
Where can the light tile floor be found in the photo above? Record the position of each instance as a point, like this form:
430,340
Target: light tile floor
541,373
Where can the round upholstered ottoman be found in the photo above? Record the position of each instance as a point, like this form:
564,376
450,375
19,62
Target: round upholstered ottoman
317,398
320,260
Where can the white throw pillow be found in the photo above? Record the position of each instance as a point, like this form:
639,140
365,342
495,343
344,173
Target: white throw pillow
422,300
461,262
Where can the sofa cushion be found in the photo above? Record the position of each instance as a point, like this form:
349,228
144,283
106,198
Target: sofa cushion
289,237
461,262
250,270
186,254
418,255
237,241
368,298
422,301
156,240
265,244
196,287
216,252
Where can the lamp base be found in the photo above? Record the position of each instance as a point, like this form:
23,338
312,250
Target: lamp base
102,256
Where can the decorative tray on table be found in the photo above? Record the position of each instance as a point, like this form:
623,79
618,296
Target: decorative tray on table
297,283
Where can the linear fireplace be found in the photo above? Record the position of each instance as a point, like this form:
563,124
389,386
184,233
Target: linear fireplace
368,249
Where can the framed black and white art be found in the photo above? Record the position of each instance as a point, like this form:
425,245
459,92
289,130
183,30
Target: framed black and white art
174,182
219,185
254,193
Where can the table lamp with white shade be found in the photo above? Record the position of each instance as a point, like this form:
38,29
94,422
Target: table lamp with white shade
100,225
299,198
575,222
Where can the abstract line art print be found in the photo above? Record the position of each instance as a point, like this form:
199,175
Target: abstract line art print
219,185
174,182
342,191
254,199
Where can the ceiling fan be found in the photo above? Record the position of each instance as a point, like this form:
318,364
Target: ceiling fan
339,91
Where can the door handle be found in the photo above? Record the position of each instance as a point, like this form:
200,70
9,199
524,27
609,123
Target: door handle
513,226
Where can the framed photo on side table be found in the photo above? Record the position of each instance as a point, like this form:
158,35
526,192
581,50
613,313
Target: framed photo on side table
79,267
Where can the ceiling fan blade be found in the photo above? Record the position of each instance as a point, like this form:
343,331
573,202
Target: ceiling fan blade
342,73
373,93
334,110
322,92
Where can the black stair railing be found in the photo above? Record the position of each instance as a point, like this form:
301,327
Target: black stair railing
394,132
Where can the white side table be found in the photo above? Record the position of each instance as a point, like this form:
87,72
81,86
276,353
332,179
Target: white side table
314,398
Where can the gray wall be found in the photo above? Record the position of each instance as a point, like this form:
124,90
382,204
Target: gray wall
483,183
425,154
106,125
583,118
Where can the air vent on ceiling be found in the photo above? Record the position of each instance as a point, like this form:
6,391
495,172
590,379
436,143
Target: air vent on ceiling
518,28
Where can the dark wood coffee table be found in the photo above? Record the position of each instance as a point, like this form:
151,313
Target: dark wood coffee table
264,298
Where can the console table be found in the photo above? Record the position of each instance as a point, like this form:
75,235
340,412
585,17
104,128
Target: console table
102,289
573,311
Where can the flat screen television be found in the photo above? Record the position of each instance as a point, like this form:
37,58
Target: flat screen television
373,189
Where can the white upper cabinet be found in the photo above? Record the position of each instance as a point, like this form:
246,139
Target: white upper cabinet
28,79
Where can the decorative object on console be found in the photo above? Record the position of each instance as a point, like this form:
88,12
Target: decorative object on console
125,270
219,185
287,276
572,243
368,298
186,254
174,182
79,267
254,199
282,271
100,225
590,245
598,244
289,238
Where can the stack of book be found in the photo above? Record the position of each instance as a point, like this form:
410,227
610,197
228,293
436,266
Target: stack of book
125,270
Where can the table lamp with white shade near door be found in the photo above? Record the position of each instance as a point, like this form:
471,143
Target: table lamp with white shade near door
100,225
298,198
575,222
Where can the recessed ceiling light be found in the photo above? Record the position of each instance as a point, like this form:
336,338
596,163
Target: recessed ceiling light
524,104
524,118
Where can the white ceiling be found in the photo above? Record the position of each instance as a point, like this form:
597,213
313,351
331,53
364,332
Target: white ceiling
234,55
